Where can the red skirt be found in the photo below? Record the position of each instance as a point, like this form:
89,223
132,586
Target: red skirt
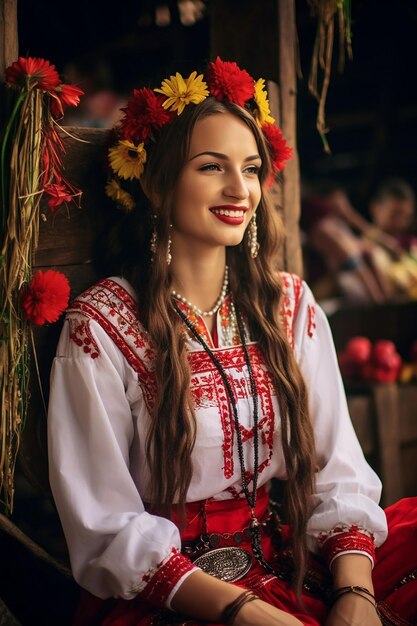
394,575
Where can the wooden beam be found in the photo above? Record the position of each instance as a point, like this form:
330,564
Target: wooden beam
9,47
386,408
287,80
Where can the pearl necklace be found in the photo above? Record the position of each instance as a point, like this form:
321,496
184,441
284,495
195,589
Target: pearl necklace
219,300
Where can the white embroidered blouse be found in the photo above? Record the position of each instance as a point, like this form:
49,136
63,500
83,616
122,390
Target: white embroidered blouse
102,388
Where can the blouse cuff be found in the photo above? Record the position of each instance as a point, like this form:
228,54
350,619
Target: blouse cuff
159,584
347,539
361,552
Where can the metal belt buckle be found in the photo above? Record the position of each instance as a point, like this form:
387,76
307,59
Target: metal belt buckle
228,564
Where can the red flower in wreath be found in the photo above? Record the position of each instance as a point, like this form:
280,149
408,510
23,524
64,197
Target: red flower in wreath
46,297
227,81
58,193
280,150
144,111
64,96
30,69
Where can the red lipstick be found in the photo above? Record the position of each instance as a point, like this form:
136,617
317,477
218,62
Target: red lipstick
230,213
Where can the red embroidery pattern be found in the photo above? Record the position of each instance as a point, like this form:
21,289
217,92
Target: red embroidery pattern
207,383
160,581
198,323
345,539
311,325
114,309
290,303
203,391
80,333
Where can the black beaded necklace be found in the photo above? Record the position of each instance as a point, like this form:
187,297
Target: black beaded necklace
250,497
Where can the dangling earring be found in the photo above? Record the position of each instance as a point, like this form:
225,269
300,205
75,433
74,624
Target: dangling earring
154,239
253,237
169,256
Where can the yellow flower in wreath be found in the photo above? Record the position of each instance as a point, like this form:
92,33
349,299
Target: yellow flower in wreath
127,160
262,102
180,91
119,195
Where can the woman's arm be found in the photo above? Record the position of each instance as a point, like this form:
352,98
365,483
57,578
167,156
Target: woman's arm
117,549
204,597
353,607
347,521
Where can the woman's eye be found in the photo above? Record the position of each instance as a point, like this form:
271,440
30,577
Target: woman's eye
252,169
210,167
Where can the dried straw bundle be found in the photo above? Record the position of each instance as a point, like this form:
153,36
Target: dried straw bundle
326,12
30,167
21,195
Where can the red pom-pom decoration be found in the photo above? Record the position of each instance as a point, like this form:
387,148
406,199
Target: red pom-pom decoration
226,81
46,297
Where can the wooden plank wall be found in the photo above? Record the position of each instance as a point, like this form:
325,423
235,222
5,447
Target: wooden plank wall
65,244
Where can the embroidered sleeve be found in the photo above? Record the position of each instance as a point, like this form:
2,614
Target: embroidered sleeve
292,289
159,584
344,539
80,334
117,547
347,490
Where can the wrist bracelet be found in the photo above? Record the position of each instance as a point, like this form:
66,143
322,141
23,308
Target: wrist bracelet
232,609
359,591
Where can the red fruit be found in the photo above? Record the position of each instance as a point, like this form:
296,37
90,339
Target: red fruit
358,350
381,375
386,362
383,348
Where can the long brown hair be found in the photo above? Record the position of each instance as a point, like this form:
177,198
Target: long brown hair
173,422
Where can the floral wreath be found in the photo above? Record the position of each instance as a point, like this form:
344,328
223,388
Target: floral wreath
148,110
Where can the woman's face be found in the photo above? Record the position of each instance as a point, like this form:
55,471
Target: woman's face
218,189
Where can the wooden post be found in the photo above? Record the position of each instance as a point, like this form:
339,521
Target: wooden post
9,47
387,415
261,37
287,80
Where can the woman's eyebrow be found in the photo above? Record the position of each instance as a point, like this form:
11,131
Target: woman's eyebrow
220,155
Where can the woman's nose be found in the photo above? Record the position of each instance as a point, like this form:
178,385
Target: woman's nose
236,187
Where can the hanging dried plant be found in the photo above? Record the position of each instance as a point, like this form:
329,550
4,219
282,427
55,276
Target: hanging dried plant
30,162
327,12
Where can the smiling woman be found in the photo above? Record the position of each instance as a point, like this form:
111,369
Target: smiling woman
195,372
218,189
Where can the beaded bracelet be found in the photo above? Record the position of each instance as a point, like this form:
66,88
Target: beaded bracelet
359,591
232,609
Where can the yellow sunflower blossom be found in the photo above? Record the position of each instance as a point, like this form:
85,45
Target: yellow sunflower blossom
119,195
180,91
262,102
127,160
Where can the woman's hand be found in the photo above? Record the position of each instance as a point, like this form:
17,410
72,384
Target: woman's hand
260,613
352,609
